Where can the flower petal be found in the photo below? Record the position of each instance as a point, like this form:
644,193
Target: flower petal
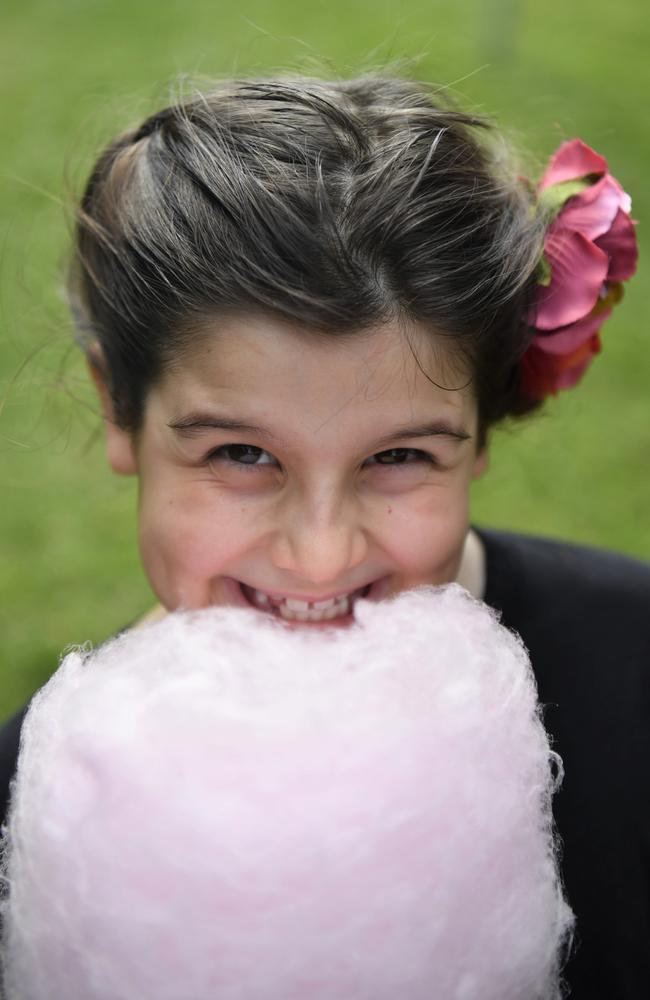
578,271
545,374
569,339
567,379
593,211
573,159
620,245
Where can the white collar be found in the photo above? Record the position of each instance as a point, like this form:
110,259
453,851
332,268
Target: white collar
472,572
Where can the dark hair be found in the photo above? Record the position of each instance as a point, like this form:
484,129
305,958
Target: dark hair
337,205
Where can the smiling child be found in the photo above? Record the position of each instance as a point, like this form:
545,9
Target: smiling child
305,305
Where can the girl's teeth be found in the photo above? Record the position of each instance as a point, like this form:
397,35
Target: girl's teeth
321,605
337,608
293,616
292,609
296,605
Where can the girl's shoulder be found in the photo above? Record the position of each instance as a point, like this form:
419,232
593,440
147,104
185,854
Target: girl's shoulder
583,614
9,744
520,568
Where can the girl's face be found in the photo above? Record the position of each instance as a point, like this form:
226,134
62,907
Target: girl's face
276,467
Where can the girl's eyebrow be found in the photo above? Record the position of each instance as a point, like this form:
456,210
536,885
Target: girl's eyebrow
437,428
195,424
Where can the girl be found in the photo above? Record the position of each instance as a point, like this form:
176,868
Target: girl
304,306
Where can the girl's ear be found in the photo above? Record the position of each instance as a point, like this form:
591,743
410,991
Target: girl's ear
120,449
481,463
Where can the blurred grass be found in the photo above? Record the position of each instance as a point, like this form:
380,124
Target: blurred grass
73,72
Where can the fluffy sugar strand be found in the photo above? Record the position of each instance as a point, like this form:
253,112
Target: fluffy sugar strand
219,806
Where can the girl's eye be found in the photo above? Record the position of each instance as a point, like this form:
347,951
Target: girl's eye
241,454
401,456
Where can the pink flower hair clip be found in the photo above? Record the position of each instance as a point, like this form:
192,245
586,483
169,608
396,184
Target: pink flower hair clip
590,247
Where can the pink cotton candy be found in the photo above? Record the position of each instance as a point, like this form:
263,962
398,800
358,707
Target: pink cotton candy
216,807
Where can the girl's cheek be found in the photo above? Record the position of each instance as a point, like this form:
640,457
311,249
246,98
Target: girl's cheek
193,538
422,548
427,519
425,545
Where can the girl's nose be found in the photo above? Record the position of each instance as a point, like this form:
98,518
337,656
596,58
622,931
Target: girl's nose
320,544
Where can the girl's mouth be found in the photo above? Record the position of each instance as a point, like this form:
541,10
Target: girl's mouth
336,610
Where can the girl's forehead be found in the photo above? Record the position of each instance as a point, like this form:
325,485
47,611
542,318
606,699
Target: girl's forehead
268,365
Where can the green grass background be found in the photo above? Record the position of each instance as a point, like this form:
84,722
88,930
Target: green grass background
75,71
